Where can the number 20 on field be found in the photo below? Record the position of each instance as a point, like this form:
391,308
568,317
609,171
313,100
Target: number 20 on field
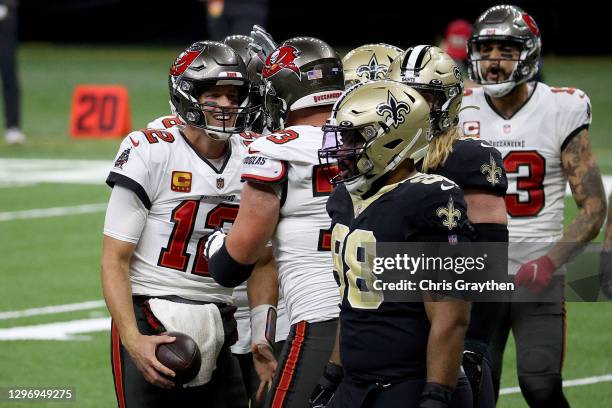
100,111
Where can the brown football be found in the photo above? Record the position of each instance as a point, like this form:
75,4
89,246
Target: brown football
182,356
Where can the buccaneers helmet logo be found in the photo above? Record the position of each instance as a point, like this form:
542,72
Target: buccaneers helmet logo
282,58
394,110
183,61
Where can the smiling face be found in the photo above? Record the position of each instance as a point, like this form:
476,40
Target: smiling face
220,104
498,60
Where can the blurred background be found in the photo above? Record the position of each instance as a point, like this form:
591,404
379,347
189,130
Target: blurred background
53,322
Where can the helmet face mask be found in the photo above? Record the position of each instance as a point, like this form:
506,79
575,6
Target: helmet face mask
435,75
374,127
510,28
197,70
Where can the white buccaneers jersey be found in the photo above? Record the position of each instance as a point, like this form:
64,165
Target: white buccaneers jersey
302,238
531,142
187,197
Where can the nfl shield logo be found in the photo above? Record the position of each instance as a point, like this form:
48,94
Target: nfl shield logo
220,183
452,239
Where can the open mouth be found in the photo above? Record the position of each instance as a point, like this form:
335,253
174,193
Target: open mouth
494,74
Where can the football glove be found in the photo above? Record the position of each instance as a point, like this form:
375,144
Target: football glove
214,243
263,41
472,365
435,395
328,383
535,275
605,273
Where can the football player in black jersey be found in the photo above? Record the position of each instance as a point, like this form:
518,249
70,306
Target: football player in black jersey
477,168
394,354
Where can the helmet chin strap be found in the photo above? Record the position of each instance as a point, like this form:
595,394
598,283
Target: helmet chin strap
499,90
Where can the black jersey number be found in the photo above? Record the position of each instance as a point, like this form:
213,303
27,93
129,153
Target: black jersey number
532,184
355,249
175,255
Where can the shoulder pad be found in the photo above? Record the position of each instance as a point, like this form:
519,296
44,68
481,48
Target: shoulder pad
262,169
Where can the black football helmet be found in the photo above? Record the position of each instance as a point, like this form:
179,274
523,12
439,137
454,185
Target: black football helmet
202,65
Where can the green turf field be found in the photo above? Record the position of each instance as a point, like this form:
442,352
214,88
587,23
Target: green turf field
55,260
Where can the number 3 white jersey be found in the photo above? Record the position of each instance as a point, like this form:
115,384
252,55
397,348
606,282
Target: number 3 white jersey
187,197
301,241
531,142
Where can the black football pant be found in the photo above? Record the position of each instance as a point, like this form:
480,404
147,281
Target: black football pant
8,69
403,394
539,334
303,359
224,390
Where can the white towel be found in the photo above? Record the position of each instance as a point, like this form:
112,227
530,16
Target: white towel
202,322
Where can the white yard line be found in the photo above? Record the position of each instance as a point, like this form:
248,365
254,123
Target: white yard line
52,212
68,330
19,172
566,383
70,307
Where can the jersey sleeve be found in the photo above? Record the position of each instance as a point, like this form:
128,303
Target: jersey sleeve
132,168
261,169
574,110
475,164
444,214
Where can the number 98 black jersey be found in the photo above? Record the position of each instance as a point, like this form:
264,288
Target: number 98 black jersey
384,340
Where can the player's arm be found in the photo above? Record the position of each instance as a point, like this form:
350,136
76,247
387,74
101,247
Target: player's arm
232,257
584,178
262,291
125,218
449,321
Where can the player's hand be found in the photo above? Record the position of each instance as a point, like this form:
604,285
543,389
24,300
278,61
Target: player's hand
142,350
265,365
435,396
472,365
263,41
214,243
605,273
328,383
536,275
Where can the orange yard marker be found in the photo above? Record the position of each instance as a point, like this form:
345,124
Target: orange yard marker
100,111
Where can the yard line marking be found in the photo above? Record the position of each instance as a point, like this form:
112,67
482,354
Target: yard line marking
57,331
32,171
38,311
566,383
52,212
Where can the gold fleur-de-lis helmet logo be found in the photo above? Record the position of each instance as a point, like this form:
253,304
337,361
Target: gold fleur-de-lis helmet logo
492,171
393,110
448,214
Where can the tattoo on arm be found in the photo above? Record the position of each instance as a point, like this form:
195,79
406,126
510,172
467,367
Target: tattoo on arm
585,181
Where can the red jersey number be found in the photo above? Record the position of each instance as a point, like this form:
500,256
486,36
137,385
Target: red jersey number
175,255
532,183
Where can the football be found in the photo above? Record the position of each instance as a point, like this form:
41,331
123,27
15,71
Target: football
182,356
